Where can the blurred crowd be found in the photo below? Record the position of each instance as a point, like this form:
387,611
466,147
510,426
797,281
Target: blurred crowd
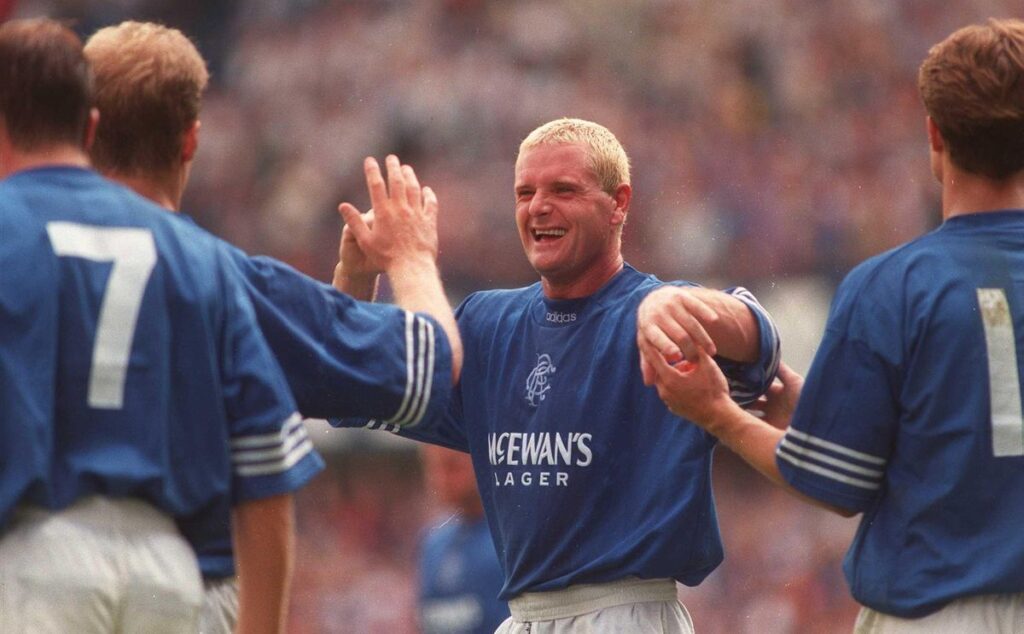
770,139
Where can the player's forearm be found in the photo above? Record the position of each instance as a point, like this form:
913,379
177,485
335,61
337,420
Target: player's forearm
264,542
735,331
749,437
417,287
361,287
755,441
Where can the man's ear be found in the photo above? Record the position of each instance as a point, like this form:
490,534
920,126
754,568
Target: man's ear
935,140
190,143
936,149
91,125
622,196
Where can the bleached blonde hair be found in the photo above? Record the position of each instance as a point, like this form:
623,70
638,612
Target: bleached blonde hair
605,155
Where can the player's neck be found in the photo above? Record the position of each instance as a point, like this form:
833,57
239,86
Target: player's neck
58,155
164,191
965,193
583,285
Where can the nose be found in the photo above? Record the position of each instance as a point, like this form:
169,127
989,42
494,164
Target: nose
539,205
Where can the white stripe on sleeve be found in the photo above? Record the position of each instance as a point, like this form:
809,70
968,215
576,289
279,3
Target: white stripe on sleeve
273,453
410,358
828,473
279,466
420,347
814,440
831,460
426,379
267,440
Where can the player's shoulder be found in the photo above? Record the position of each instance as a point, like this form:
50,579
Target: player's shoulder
638,284
884,273
877,289
496,303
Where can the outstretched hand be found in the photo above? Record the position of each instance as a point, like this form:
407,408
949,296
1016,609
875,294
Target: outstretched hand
403,228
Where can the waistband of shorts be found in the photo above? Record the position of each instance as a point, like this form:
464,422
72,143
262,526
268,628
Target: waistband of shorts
584,598
128,515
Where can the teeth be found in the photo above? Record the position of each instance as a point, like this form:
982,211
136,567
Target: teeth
558,233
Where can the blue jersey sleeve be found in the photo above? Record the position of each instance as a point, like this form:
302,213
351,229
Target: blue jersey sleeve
839,441
446,429
748,381
441,426
346,358
271,453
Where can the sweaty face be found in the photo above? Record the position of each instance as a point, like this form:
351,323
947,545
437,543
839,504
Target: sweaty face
568,225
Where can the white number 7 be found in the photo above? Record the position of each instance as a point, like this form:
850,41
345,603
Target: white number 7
133,253
1003,377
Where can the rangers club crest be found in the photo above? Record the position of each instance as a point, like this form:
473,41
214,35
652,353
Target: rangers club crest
537,383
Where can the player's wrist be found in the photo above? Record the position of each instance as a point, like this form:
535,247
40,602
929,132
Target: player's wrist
723,416
412,265
360,285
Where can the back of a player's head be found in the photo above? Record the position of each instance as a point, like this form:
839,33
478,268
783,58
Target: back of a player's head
149,85
972,85
605,154
45,84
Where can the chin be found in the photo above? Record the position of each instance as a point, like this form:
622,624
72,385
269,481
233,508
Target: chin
543,270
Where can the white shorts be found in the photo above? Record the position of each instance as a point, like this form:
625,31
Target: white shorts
990,613
630,605
220,606
102,565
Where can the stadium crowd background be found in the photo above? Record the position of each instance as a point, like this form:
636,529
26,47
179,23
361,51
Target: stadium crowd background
775,144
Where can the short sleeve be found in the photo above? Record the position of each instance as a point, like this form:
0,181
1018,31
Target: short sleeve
271,453
841,435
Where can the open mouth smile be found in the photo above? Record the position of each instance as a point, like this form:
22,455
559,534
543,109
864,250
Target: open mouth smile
547,235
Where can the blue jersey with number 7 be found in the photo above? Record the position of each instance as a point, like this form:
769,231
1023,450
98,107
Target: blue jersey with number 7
911,414
163,387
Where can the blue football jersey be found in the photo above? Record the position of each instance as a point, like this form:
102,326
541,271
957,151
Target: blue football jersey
911,414
585,475
341,357
460,579
28,351
164,387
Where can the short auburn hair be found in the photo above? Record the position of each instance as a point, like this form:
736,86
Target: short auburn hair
149,86
45,84
605,155
972,85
